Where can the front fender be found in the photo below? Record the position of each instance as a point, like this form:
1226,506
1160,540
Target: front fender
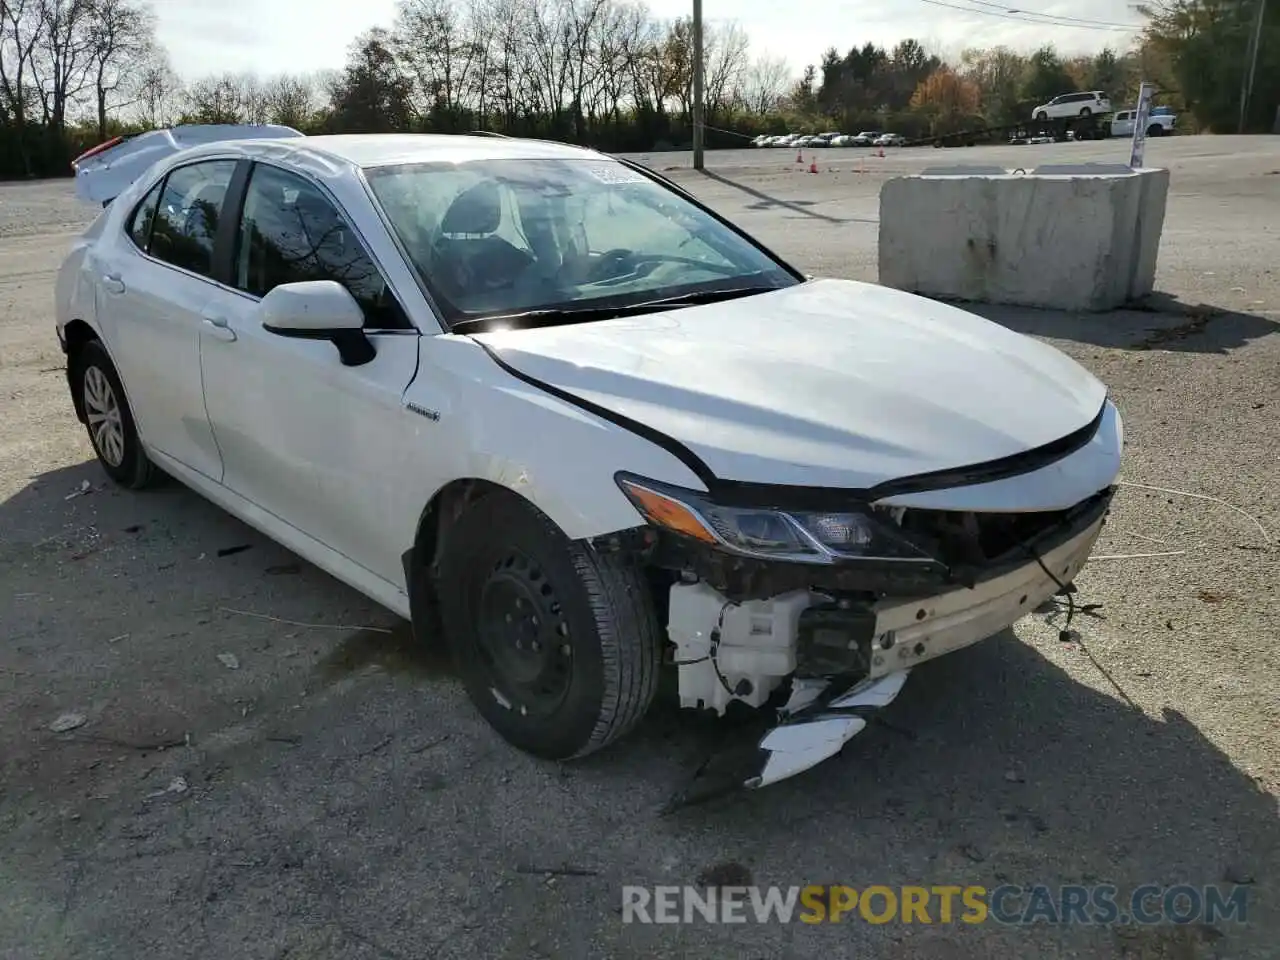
557,456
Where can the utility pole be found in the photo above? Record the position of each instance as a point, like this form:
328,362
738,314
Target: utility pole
1246,91
697,86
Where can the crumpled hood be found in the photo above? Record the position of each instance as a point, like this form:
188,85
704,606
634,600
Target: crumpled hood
828,383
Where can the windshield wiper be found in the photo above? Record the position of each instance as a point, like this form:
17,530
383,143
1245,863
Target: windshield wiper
586,313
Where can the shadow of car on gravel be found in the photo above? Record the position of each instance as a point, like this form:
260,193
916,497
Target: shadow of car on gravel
1161,324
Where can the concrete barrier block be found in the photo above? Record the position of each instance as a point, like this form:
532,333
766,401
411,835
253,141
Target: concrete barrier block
1083,238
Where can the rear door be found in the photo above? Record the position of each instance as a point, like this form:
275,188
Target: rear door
154,282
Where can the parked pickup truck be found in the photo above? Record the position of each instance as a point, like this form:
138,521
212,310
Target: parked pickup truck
1158,124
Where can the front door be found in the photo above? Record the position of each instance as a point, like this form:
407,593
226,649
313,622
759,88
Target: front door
313,442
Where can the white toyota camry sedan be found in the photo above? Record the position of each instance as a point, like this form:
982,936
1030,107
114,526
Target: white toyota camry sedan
550,408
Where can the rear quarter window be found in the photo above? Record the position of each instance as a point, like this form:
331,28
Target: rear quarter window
144,217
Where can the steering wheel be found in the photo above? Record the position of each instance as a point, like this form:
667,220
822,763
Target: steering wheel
610,260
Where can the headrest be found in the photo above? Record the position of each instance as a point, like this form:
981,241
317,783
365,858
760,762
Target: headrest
477,210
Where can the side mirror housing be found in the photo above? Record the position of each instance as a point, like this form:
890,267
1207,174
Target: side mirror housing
319,310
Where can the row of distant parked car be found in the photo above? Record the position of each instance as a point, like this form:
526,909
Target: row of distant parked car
868,138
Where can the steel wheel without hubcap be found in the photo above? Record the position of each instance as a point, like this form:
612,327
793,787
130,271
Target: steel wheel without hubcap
524,638
556,643
102,411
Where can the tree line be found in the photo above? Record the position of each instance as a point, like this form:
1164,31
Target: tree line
601,72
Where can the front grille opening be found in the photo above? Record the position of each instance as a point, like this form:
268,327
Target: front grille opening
967,538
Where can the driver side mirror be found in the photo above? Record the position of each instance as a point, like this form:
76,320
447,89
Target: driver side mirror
319,310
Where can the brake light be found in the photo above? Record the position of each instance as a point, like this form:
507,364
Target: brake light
93,151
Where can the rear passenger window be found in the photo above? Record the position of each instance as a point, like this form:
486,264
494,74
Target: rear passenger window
144,216
189,211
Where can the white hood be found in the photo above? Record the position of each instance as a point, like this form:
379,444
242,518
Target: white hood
829,383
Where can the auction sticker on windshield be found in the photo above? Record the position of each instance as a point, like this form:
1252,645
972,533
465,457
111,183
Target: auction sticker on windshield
614,173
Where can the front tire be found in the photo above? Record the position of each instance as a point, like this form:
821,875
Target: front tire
108,419
557,645
1155,130
1042,116
1086,112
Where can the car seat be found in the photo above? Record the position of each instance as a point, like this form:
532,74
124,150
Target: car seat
468,255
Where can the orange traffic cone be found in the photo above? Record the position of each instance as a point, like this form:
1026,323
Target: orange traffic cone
799,156
813,167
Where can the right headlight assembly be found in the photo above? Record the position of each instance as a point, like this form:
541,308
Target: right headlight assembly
769,534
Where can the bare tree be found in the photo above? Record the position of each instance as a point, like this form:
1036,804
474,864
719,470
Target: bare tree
252,97
432,41
764,86
215,100
725,62
21,33
654,76
120,34
619,38
159,90
580,54
63,57
291,101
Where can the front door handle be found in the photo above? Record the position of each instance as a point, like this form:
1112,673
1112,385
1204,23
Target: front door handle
113,282
218,327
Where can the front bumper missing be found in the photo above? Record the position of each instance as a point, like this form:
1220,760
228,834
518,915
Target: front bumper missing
816,725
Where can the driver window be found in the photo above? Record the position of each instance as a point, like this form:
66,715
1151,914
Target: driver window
291,232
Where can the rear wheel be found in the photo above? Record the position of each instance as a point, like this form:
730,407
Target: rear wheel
557,645
108,419
1086,112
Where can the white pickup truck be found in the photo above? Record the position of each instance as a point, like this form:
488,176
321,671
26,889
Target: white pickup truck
1158,124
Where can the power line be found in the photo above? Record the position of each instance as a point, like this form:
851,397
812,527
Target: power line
1022,17
1089,21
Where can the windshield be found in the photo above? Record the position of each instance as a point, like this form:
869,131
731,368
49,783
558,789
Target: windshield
498,237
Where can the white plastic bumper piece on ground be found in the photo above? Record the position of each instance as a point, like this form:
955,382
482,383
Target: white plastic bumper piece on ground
795,747
908,634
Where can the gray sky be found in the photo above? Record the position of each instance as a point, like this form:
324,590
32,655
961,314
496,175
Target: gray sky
288,36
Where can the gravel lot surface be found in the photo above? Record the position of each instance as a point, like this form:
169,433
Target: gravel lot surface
334,795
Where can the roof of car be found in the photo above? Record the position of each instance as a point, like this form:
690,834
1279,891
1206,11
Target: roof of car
382,149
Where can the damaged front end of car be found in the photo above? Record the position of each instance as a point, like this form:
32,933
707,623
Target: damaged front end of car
820,614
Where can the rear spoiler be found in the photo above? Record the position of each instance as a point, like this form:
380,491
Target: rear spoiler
105,171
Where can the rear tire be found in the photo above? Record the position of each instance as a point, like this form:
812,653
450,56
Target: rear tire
109,421
1086,112
557,645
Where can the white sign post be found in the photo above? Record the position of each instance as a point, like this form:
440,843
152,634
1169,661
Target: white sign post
1140,118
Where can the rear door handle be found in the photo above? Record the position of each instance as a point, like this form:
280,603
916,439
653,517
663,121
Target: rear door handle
217,326
113,282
